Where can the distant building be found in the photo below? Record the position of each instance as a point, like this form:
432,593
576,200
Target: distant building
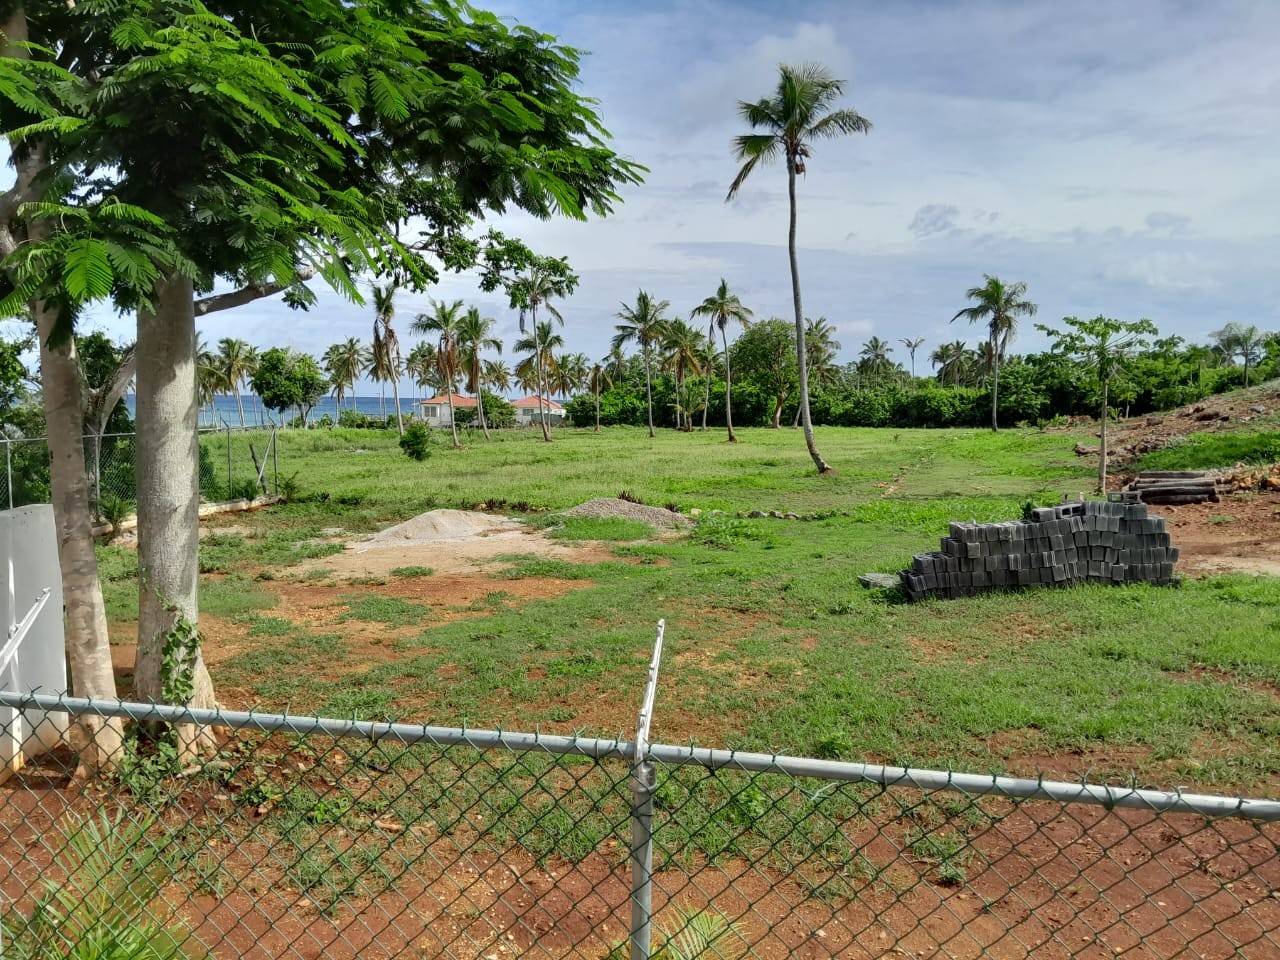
527,410
435,411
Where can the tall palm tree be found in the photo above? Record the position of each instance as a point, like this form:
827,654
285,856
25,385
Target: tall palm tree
1000,305
615,362
446,320
421,366
721,307
912,344
386,345
475,335
709,354
536,289
497,375
344,363
599,379
950,359
571,373
539,367
642,324
682,355
210,380
875,362
235,359
820,347
798,112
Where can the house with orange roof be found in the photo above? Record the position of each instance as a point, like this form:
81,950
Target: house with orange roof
435,411
527,411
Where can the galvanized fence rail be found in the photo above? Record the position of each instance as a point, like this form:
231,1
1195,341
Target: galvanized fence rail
310,837
235,463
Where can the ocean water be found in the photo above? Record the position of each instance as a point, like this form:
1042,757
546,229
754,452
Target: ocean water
226,413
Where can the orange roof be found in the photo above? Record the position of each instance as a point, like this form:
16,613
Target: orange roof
532,401
443,400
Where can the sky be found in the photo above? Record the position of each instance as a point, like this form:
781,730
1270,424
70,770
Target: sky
1120,158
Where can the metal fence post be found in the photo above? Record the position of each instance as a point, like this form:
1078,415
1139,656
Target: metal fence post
275,460
8,468
230,480
642,787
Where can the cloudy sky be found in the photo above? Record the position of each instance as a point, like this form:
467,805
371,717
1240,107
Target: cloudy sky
1114,156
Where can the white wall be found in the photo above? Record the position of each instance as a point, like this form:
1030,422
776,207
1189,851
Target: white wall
29,564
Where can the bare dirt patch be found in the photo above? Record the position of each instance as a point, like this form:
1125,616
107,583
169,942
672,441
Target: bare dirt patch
1240,534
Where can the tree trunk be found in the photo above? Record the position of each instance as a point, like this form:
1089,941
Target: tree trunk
542,419
777,412
484,426
168,506
1102,448
706,397
453,422
97,741
728,388
648,390
801,357
597,408
995,383
239,404
395,394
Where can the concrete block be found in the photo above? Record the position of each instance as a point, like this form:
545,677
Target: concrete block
972,549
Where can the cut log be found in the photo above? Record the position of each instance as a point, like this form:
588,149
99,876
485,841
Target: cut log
1172,474
1168,497
1163,484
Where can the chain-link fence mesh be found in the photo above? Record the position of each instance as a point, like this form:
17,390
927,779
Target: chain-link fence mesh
307,838
234,463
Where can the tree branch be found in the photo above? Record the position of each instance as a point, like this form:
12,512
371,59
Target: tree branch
247,294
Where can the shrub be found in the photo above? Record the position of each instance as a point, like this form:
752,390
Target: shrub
416,441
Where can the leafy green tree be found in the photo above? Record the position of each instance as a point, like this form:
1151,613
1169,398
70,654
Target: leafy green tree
721,308
1104,346
682,354
999,305
1242,340
875,363
764,354
799,112
952,359
13,374
643,324
286,378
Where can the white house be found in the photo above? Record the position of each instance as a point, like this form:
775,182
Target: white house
527,410
435,411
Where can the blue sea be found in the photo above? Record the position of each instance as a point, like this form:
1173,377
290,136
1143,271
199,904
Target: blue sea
225,412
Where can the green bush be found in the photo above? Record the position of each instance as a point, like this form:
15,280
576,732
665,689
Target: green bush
416,441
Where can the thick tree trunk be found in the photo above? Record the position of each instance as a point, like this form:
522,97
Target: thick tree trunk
728,388
168,506
802,359
97,742
777,412
648,391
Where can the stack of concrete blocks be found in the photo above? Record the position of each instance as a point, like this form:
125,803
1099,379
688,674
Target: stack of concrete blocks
1090,541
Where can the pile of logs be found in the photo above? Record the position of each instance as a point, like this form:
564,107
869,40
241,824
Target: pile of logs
1175,486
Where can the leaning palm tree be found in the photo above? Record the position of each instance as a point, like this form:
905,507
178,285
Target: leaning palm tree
475,335
599,379
999,304
681,354
446,320
797,113
344,363
912,344
721,307
236,361
538,369
642,324
386,345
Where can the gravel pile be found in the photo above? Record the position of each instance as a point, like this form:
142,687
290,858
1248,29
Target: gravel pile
608,508
443,525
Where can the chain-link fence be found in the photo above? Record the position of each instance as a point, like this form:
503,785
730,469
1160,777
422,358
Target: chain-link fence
235,463
307,837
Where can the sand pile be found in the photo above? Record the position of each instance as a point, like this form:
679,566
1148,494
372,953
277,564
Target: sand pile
440,525
609,508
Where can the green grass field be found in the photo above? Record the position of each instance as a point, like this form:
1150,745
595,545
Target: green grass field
772,645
